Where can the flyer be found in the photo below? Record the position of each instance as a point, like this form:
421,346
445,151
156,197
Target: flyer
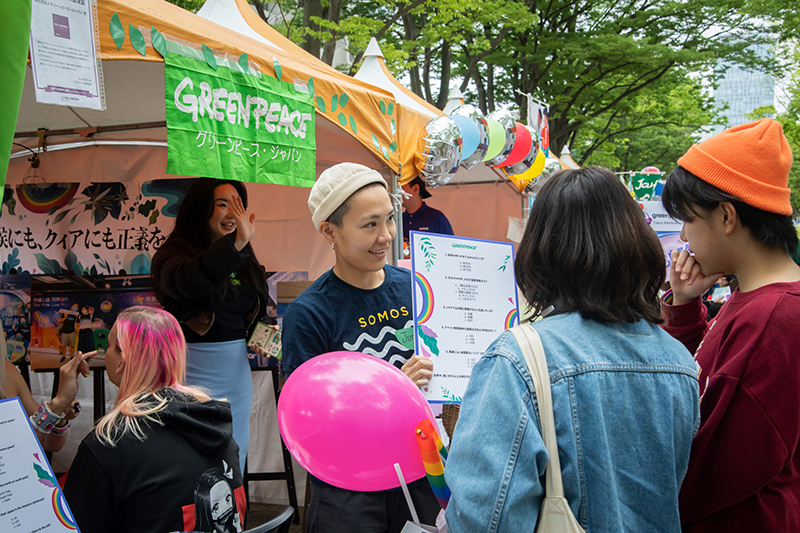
667,229
65,54
465,296
30,498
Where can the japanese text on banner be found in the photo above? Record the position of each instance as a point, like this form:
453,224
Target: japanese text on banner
231,125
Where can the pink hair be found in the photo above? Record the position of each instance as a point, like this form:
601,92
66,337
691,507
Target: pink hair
154,354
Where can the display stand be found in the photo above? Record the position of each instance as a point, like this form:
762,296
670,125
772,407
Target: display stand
288,472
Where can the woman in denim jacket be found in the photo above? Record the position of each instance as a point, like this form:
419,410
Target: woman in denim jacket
625,393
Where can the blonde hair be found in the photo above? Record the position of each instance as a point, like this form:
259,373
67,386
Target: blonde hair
153,349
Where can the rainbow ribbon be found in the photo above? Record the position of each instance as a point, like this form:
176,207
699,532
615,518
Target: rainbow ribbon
434,454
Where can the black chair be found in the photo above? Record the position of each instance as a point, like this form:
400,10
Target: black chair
279,524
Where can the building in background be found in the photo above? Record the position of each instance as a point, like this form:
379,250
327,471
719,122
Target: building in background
743,91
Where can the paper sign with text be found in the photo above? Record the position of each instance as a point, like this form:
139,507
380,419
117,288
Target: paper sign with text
64,54
230,124
465,296
30,498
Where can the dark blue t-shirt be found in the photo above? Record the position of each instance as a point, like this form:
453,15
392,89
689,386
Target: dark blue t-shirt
426,219
332,315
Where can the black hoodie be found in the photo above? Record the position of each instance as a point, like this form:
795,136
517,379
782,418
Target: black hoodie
157,485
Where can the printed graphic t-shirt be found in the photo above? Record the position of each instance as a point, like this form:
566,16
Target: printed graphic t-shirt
332,315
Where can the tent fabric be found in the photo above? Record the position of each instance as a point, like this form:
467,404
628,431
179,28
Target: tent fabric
415,113
411,113
371,119
135,84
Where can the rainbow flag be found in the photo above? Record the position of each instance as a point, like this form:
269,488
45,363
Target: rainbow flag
434,455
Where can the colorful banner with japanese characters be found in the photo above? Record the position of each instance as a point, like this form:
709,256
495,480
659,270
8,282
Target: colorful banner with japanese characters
89,228
465,296
229,124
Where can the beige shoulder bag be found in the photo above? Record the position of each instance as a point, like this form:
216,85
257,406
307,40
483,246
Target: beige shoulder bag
554,514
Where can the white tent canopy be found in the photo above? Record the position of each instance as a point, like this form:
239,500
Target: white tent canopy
373,71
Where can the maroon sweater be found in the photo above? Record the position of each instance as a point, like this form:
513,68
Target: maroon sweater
744,470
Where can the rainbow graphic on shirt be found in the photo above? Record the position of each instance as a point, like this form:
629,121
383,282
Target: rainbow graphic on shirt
512,318
426,304
42,200
61,511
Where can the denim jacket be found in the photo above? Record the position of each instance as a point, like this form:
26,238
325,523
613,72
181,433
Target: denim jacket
625,398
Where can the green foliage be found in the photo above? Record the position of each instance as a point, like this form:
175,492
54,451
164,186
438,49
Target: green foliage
189,5
652,128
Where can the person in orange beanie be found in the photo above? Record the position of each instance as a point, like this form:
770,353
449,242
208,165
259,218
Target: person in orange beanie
731,192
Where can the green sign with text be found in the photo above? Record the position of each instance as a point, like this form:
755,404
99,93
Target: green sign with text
235,125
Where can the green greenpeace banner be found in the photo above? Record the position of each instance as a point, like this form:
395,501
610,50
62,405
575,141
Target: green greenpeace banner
232,125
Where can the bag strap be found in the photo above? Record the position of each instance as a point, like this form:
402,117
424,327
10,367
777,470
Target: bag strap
533,352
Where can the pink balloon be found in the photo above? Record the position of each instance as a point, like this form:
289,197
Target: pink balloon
348,417
521,147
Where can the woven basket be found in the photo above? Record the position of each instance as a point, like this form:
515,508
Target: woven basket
450,417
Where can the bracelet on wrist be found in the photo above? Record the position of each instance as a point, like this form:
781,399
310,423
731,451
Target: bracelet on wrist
60,430
44,420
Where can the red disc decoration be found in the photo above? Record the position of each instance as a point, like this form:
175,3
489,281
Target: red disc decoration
521,147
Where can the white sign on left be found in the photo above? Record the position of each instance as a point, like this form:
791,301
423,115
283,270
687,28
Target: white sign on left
30,498
64,54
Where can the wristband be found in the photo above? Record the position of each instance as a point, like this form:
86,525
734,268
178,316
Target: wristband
668,297
60,430
44,420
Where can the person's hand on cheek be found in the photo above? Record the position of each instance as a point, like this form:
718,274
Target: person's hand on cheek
687,279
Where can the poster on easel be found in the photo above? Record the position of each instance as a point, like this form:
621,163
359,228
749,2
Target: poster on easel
465,296
30,498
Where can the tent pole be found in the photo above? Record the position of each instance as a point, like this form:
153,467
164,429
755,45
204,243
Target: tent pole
397,243
526,209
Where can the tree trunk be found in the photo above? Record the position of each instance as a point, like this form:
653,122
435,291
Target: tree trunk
481,91
410,26
311,8
426,76
444,85
490,87
334,14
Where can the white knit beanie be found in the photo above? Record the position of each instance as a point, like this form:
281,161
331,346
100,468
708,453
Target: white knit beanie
335,186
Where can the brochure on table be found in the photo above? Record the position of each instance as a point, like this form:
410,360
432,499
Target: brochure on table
30,498
465,296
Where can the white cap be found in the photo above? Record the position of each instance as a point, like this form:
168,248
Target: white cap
335,186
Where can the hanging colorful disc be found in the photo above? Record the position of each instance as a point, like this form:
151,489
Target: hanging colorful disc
521,148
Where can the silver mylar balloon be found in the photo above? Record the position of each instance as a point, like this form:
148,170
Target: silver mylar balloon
551,166
442,151
472,112
503,116
527,161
